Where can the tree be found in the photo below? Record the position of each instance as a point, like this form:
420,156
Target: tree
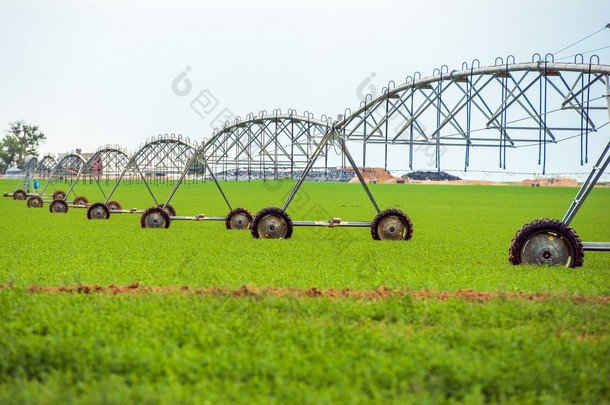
9,149
22,139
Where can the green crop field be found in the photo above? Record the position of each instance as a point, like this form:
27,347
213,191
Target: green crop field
164,343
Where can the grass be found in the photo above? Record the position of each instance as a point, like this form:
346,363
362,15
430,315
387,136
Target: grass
461,239
174,347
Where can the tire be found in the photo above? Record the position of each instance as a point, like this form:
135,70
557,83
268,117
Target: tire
271,223
171,211
114,205
546,242
392,224
98,211
59,195
20,195
155,217
58,207
239,219
81,201
35,201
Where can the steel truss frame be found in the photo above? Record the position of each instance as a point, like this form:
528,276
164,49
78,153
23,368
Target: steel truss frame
250,147
500,106
23,187
107,163
68,167
370,123
163,157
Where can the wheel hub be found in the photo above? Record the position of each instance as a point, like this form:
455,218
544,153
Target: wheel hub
155,220
392,228
546,248
98,213
59,208
272,227
240,221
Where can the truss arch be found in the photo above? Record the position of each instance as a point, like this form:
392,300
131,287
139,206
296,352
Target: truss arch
505,105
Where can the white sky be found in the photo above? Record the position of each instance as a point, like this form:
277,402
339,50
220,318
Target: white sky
100,72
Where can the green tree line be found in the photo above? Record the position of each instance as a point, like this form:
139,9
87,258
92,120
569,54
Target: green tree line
20,140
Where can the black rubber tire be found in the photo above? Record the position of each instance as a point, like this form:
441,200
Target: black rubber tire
239,224
58,207
280,214
81,200
59,195
155,217
35,201
20,195
384,216
98,211
553,228
171,211
114,205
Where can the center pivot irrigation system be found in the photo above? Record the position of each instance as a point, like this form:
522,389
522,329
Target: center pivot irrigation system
104,166
161,159
24,187
33,169
276,144
501,108
505,106
65,171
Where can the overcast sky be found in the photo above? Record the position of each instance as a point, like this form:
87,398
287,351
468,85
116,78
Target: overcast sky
101,72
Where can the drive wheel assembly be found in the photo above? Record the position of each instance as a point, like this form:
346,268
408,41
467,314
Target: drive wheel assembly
271,223
58,207
392,224
171,211
59,195
114,205
239,218
81,201
98,211
35,201
155,217
20,195
546,242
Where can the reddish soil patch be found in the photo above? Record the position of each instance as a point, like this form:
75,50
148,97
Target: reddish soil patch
249,291
375,175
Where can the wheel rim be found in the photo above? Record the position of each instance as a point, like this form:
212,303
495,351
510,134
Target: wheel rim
34,203
272,226
98,212
59,207
240,220
154,220
547,248
392,228
113,206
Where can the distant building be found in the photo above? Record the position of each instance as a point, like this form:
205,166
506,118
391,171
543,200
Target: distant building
13,172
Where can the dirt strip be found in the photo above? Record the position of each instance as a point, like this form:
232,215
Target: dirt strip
249,291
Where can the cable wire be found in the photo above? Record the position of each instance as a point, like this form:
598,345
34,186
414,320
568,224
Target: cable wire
583,53
579,41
